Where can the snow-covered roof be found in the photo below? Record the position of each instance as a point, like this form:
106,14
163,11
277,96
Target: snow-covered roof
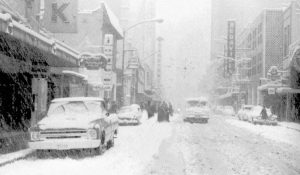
270,85
113,19
93,54
197,99
72,99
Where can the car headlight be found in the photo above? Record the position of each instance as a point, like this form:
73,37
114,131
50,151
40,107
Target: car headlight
35,135
92,134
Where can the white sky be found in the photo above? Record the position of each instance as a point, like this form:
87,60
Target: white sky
186,31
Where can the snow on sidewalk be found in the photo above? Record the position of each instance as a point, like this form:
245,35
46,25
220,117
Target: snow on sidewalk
290,125
134,149
6,158
276,133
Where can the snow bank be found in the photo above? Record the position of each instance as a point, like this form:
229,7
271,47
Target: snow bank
276,133
13,156
290,125
134,149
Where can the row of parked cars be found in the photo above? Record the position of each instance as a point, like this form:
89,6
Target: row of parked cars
252,114
80,123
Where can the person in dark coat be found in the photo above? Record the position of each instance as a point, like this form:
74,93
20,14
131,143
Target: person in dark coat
263,113
163,114
150,109
170,109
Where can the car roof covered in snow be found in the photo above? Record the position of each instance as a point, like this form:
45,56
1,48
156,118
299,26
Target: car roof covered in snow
71,99
197,99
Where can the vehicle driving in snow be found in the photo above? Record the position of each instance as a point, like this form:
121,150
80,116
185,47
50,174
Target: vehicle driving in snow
75,123
197,110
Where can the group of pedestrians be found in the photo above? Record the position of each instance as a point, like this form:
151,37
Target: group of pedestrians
164,110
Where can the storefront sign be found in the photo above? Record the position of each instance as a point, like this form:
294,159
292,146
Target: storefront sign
61,16
271,91
133,63
108,50
273,73
93,62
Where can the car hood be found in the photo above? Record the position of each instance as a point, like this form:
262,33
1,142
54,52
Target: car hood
66,121
198,110
126,115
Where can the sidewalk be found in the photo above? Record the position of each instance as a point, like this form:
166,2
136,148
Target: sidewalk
290,125
7,158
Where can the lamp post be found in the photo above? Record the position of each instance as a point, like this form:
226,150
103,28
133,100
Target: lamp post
123,48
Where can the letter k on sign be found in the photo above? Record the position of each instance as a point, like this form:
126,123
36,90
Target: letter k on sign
58,12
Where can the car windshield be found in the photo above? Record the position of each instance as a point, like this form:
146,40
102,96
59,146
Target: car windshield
196,103
74,108
126,109
248,108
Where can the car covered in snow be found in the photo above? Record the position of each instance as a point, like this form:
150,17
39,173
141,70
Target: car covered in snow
254,116
197,110
228,111
241,115
75,123
130,115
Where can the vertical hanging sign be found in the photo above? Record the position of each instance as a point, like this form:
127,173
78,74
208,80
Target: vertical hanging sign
108,50
231,48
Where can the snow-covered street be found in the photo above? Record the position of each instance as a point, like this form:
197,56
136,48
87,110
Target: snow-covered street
219,147
222,148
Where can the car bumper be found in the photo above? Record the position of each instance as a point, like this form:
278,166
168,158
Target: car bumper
64,144
128,121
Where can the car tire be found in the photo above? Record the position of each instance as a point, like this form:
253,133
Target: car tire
99,150
39,154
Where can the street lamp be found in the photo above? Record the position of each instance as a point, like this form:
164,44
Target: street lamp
123,49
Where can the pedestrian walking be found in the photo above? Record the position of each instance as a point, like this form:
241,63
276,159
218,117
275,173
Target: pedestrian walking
263,113
171,109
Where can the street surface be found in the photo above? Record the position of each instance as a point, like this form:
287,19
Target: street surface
178,148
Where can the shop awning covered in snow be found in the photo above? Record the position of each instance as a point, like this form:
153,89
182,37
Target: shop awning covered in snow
287,90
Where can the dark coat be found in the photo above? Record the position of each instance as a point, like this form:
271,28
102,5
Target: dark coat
163,113
264,114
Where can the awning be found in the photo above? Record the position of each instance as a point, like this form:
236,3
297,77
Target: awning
270,85
287,90
75,74
114,21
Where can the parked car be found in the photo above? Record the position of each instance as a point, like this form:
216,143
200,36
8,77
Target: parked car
254,116
75,123
228,110
130,115
242,112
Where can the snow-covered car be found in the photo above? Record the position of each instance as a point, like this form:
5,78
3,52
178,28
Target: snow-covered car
197,110
228,111
242,112
130,115
254,116
75,123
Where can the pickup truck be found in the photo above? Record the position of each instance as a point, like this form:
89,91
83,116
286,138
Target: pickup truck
75,123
